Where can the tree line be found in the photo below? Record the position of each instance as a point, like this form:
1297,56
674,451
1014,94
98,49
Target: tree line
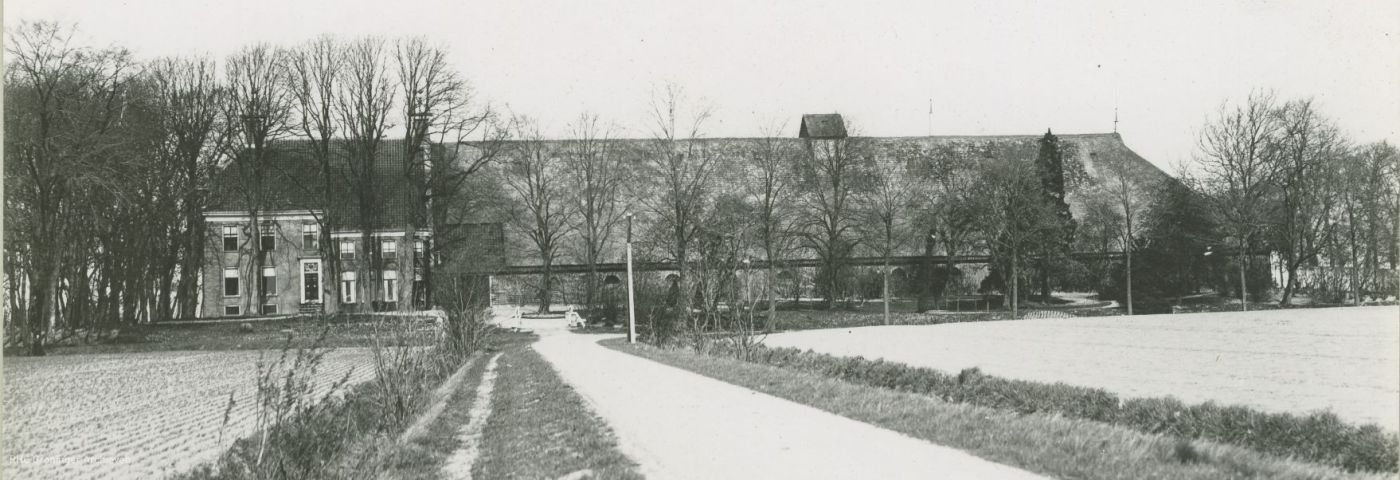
1279,175
111,162
714,206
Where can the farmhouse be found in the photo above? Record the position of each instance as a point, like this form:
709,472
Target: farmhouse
283,238
342,244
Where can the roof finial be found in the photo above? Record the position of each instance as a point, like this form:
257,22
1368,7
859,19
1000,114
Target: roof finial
1115,119
930,116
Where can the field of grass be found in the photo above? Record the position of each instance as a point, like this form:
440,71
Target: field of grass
135,415
1298,360
1047,444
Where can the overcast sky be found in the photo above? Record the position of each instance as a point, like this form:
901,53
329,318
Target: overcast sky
986,67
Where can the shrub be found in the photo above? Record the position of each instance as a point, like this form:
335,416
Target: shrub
341,432
1320,437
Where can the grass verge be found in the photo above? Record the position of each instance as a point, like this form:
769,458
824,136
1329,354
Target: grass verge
538,426
1049,444
422,457
1319,437
541,428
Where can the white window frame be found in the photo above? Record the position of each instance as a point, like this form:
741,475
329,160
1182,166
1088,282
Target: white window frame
231,272
348,283
389,249
236,310
269,232
269,272
230,231
320,280
390,279
347,250
313,232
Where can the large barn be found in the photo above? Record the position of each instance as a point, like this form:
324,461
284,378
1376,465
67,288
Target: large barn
291,270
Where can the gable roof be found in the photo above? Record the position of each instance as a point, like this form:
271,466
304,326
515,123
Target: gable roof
822,126
292,180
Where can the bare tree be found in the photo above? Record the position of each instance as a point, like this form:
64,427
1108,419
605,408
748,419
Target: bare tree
681,167
949,178
832,174
534,172
595,168
362,106
1370,211
258,110
436,97
770,188
189,102
1013,214
61,102
1241,168
1126,188
313,77
1310,150
887,206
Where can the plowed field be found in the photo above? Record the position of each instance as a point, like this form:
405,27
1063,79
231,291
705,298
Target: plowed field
135,415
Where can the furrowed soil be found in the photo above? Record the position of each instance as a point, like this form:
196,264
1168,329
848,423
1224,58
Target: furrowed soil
137,415
1342,359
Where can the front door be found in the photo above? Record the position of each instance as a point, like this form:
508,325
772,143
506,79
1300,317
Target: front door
311,281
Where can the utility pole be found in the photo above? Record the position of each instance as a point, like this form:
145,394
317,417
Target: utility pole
631,305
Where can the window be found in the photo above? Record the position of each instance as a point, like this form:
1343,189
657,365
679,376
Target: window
389,248
391,285
269,309
310,236
347,287
231,310
347,249
267,241
418,247
231,287
269,281
230,239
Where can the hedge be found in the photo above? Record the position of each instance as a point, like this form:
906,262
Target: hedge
1320,436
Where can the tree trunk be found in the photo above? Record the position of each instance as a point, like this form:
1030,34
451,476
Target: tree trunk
887,288
545,285
1244,290
1015,285
1290,280
1130,280
925,277
1045,280
188,290
771,294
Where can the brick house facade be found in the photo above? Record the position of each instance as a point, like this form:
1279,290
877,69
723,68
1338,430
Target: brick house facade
293,276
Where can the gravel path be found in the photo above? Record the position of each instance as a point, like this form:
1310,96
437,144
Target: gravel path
677,424
134,415
1343,359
